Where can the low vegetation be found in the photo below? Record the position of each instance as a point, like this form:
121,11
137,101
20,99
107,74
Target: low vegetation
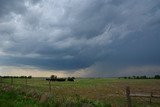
83,92
55,78
141,77
16,77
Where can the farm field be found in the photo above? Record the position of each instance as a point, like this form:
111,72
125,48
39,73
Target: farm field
86,92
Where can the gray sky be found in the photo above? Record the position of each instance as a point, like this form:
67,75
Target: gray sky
95,38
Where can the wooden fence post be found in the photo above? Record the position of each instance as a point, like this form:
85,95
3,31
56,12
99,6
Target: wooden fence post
26,81
128,97
150,101
0,79
11,80
50,86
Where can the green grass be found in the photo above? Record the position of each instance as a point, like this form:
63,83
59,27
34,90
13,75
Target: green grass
13,98
99,92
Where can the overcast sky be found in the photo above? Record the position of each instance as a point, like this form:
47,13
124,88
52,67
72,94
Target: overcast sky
90,38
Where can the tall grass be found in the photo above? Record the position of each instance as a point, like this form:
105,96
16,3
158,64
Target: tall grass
99,92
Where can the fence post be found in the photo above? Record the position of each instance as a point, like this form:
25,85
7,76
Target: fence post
11,80
128,96
0,79
50,86
150,101
26,81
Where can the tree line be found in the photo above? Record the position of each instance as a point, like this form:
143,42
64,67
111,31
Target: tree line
141,77
29,77
55,78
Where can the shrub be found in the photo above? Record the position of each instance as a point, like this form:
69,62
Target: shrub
70,79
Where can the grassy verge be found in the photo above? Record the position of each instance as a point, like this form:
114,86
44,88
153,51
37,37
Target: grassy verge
20,97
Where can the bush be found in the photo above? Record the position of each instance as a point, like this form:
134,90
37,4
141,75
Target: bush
157,77
70,78
29,77
53,77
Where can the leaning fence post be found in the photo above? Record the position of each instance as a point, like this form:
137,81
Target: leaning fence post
128,97
50,86
150,101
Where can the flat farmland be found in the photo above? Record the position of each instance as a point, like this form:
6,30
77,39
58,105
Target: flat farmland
88,92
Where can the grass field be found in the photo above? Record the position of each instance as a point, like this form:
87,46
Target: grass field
93,92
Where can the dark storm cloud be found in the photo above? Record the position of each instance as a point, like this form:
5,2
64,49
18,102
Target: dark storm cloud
16,6
47,64
78,34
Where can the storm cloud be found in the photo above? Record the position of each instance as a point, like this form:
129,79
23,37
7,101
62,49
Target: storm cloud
70,35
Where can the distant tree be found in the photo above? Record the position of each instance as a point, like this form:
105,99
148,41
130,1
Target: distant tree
61,79
53,77
22,76
134,77
143,77
15,76
29,77
6,77
70,78
137,77
73,77
129,77
157,77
